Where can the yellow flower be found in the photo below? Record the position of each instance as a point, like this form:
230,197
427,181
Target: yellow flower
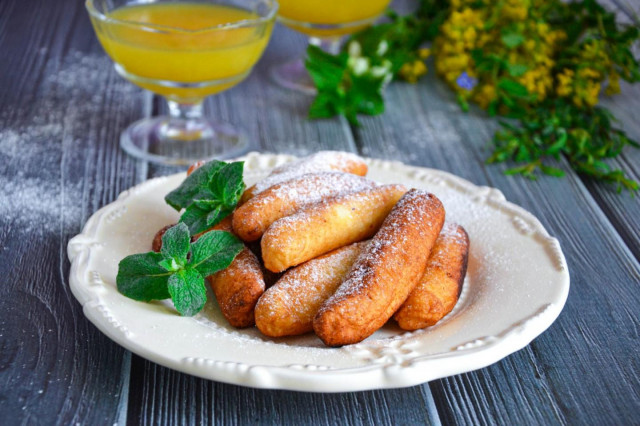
577,100
517,13
424,53
614,84
412,71
591,93
543,28
589,73
565,83
485,95
469,35
530,45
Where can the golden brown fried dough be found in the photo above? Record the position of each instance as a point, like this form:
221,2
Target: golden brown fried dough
327,225
238,287
195,166
156,244
439,288
323,161
253,218
288,308
384,274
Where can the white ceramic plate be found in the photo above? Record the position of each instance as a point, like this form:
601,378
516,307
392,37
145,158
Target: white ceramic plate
516,286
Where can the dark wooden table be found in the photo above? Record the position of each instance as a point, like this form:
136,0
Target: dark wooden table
62,107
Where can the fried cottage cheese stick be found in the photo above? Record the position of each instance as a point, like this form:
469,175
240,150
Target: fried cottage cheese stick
327,225
385,273
288,308
323,161
253,218
439,288
238,287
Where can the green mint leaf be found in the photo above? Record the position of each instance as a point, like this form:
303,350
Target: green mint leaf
196,219
207,205
214,251
182,196
513,39
187,291
322,107
200,219
214,199
171,265
551,171
326,70
372,104
516,70
141,277
217,214
176,243
513,88
227,183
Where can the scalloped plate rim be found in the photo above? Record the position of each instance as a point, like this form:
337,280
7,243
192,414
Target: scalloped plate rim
313,378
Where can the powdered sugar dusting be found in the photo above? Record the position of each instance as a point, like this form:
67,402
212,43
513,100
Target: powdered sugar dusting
310,188
452,241
306,278
319,162
353,208
453,233
37,144
414,219
295,299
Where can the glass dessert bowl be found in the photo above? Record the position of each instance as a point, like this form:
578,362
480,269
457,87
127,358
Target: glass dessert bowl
183,51
325,22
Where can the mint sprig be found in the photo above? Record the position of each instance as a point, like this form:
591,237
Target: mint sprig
178,271
208,195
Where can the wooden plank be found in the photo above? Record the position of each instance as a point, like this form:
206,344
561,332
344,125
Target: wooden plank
618,207
61,108
275,119
169,398
624,107
568,374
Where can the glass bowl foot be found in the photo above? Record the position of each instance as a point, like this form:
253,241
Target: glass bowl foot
293,75
179,142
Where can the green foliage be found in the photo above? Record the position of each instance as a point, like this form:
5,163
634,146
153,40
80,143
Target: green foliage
584,137
352,82
208,195
142,277
577,46
341,89
187,291
180,268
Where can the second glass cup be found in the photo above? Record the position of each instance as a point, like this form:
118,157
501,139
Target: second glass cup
325,22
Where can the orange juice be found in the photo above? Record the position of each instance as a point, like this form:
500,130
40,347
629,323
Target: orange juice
329,13
175,50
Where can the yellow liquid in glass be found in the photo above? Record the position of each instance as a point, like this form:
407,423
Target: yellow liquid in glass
330,12
180,46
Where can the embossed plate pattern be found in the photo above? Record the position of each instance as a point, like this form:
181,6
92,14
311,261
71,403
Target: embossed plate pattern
516,286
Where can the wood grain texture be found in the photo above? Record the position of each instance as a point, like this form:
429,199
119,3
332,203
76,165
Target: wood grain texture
62,108
170,398
59,162
569,374
618,207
